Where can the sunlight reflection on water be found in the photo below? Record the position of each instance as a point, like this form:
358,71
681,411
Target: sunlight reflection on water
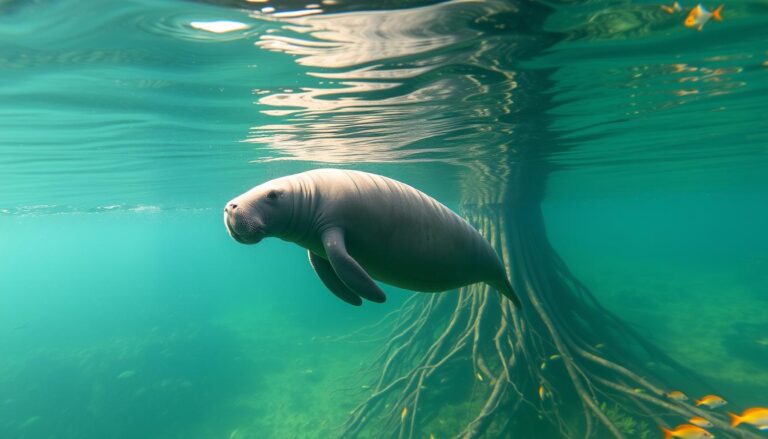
403,85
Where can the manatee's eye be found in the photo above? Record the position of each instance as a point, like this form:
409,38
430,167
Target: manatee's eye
272,195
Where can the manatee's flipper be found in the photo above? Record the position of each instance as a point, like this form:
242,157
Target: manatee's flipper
505,288
347,269
328,276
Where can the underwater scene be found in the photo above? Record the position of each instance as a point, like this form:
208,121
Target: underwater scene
611,154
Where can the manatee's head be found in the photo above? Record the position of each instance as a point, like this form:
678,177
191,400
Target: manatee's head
263,211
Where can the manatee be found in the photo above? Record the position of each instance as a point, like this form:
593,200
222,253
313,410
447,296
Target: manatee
359,227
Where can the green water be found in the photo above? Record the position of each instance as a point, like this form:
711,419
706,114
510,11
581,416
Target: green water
127,312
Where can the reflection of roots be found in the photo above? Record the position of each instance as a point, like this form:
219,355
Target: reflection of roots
566,351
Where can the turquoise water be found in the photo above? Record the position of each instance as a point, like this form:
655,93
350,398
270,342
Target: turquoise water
127,312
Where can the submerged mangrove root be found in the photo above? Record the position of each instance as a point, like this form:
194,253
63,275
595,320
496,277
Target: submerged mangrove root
559,363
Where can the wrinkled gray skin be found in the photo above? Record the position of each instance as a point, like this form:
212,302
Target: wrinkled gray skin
358,226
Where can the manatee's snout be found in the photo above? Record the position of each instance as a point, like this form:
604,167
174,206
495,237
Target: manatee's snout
242,224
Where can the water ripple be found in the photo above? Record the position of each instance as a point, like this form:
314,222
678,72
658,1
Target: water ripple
403,85
66,209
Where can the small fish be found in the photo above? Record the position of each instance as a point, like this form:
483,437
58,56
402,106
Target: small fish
542,392
404,414
756,416
431,436
699,16
711,401
700,422
543,365
554,357
479,377
677,395
687,431
638,390
672,9
599,345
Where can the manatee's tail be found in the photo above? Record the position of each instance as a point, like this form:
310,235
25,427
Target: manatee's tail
505,288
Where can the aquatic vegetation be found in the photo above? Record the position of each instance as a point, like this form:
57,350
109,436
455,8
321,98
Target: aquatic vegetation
625,423
157,377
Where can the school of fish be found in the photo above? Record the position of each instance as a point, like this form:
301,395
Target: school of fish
697,425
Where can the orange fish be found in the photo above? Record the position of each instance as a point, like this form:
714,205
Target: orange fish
700,422
699,16
404,413
756,416
677,395
711,401
672,9
542,392
687,431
